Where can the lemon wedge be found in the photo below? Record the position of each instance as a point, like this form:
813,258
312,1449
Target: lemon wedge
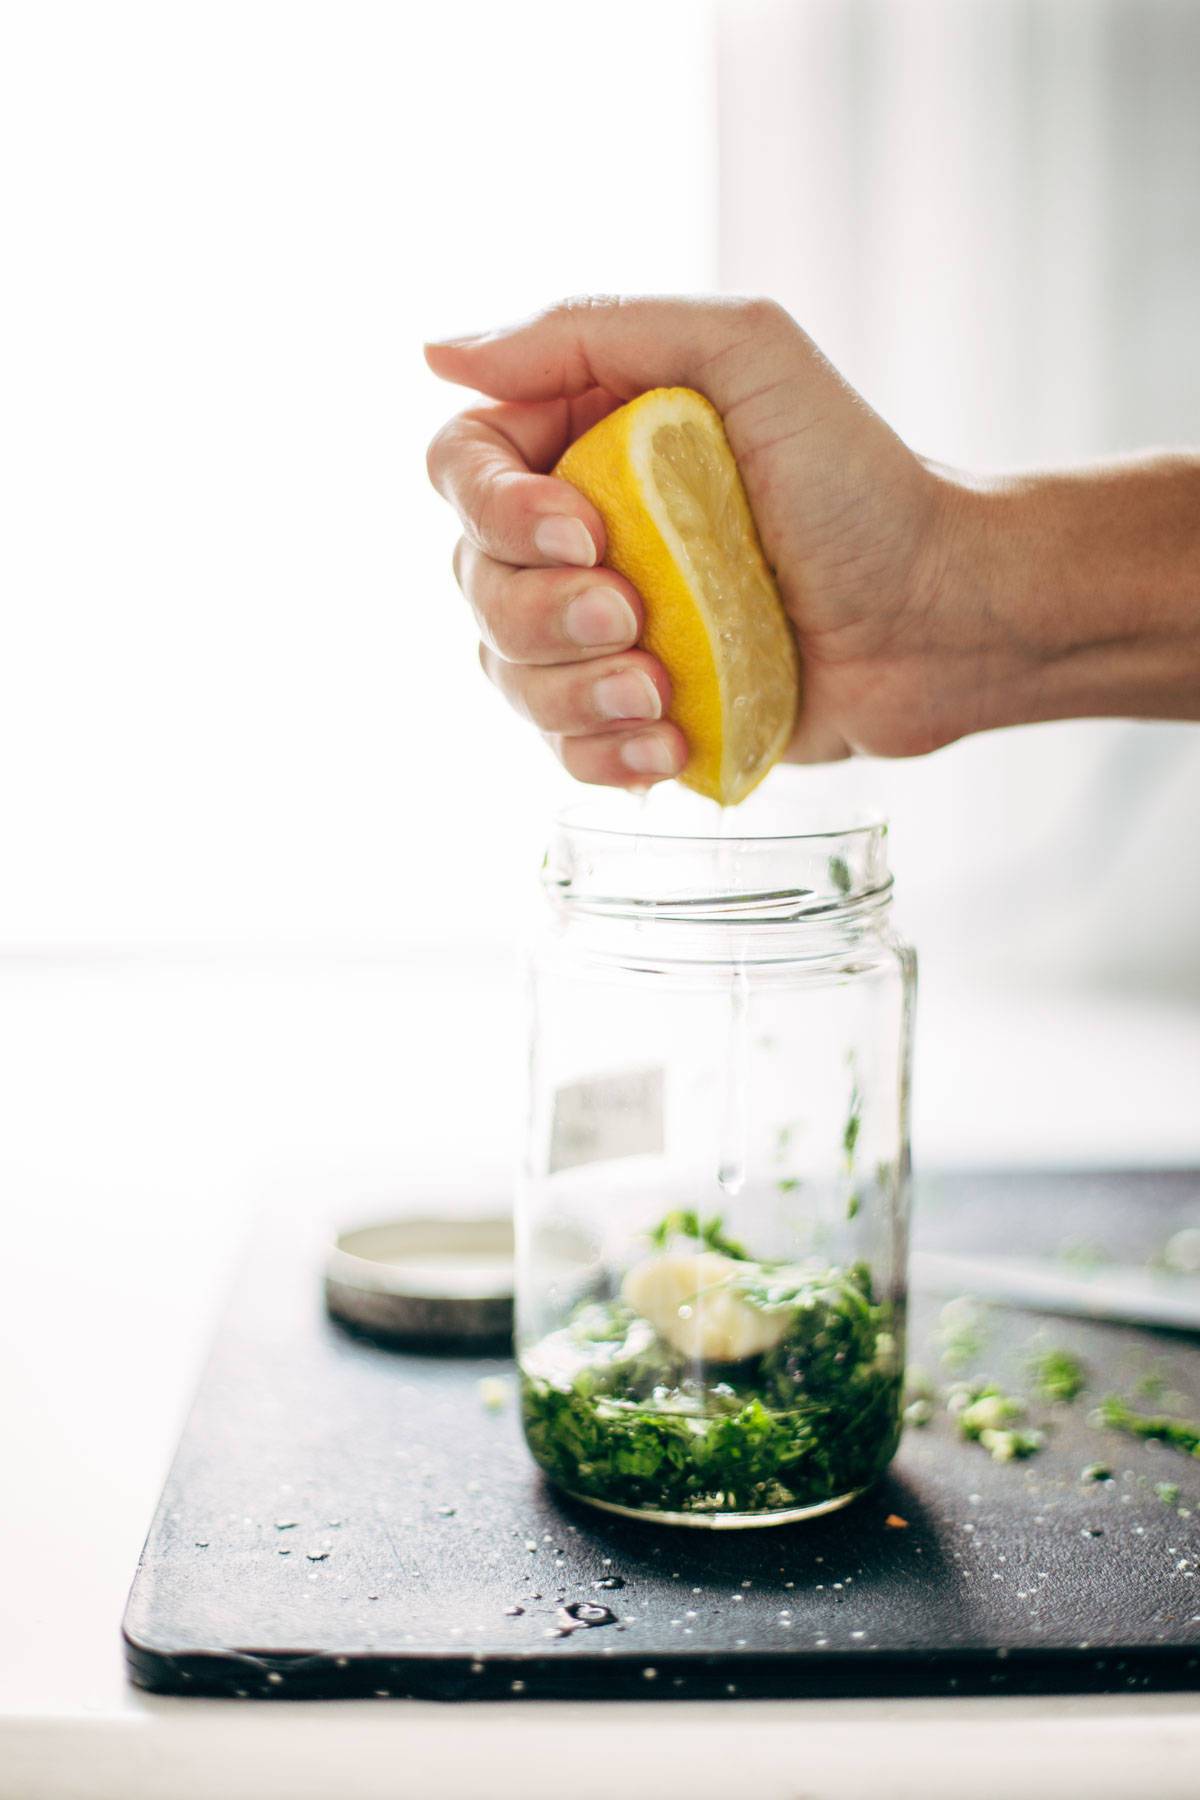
692,1303
662,476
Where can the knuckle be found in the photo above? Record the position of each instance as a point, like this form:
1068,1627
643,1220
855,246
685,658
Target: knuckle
572,754
494,524
502,633
762,313
519,607
436,456
484,523
575,305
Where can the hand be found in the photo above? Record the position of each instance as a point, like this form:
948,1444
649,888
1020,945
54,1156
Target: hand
924,606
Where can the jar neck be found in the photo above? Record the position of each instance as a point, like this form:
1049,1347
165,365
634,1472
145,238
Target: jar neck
727,898
839,945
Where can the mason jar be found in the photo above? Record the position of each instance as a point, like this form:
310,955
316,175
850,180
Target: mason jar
712,1214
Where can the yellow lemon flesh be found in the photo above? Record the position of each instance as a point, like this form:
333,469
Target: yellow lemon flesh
660,473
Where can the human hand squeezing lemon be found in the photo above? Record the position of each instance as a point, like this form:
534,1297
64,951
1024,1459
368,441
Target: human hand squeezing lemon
693,549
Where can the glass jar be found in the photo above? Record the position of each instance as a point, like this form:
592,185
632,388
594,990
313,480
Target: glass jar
712,1216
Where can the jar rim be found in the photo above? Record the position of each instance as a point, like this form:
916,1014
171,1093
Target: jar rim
570,818
603,864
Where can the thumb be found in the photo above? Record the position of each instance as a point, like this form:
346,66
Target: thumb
728,348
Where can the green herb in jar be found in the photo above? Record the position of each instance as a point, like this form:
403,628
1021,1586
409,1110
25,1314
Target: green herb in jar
775,1386
687,1224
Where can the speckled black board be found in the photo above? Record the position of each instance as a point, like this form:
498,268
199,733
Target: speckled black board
343,1519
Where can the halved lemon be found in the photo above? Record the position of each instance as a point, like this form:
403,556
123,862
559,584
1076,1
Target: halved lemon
662,476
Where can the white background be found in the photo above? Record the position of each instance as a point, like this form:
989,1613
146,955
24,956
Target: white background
239,701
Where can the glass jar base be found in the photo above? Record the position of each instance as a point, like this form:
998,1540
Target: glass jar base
721,1521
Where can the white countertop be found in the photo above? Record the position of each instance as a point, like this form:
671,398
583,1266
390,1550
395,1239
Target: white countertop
154,1107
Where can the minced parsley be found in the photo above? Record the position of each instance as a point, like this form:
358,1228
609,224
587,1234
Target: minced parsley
685,1223
1056,1374
988,1416
1113,1414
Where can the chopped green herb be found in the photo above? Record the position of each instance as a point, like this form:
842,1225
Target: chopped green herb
1181,1434
614,1413
853,1124
990,1409
687,1224
839,874
852,1206
1168,1492
961,1334
988,1416
1008,1445
1056,1374
918,1412
788,1184
1152,1386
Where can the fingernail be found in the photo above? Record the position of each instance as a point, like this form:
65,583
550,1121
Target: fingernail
648,755
628,695
565,540
600,616
455,343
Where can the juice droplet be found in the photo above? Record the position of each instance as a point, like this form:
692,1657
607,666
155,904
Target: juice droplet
735,1127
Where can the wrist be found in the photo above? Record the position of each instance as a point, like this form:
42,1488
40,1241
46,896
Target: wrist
989,644
1072,595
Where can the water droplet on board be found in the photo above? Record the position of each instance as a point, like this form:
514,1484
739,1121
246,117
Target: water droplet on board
582,1615
611,1582
446,1512
514,1612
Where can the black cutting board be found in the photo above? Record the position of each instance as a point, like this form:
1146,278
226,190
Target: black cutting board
344,1519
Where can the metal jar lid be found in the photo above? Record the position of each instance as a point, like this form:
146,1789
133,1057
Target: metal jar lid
425,1282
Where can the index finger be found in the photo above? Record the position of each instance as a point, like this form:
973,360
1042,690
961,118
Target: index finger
483,463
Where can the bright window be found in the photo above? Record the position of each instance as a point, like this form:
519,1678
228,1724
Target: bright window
239,699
